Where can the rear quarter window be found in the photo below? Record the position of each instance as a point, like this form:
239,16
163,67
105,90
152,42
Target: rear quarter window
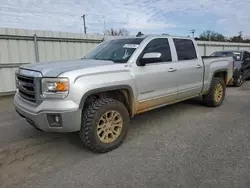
185,49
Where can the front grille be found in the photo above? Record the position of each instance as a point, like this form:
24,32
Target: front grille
26,87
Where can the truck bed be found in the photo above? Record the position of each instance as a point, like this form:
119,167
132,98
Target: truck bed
219,63
209,57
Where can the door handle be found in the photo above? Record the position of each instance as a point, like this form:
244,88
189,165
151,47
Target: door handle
172,70
198,66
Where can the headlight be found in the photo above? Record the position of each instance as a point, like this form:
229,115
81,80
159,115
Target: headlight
55,87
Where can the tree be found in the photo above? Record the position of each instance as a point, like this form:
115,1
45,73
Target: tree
116,32
247,41
236,39
211,36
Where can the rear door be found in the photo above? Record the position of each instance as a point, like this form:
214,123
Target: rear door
190,68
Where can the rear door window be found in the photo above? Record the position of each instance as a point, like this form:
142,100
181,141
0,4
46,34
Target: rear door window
185,49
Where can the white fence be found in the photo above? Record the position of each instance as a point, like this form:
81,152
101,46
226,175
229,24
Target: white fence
207,48
19,46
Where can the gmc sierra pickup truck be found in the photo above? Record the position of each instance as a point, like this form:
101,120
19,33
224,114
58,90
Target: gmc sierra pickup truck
98,94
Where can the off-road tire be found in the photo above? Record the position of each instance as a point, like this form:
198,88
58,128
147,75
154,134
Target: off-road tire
209,98
90,118
238,82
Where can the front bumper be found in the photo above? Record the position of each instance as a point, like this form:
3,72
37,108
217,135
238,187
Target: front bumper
37,117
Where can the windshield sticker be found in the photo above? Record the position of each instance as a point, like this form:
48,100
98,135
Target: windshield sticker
126,54
130,46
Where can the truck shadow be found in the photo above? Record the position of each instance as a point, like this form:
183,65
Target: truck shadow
144,122
145,119
150,120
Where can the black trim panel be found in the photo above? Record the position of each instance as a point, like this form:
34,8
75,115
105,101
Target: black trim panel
103,89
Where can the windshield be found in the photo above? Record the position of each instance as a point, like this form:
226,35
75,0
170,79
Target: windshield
235,55
118,51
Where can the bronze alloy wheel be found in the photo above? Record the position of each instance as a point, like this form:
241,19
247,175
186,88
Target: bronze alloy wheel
105,124
218,94
109,126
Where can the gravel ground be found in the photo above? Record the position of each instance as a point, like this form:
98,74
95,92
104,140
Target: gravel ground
182,145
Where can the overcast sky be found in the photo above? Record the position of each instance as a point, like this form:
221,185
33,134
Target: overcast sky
149,16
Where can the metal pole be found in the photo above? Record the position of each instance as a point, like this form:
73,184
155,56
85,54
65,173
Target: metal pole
36,48
84,24
205,49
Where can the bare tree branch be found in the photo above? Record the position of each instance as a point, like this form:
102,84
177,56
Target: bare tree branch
117,32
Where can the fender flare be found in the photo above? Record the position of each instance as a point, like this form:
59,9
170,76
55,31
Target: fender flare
220,70
108,88
217,71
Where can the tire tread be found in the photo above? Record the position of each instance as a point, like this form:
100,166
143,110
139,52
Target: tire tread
86,126
209,97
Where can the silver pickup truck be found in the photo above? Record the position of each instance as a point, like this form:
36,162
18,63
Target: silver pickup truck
98,94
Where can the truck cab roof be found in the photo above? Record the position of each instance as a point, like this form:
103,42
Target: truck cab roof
148,36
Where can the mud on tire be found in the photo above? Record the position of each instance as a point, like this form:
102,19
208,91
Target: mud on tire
91,117
211,99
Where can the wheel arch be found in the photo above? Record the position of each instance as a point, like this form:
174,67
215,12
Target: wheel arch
221,73
120,91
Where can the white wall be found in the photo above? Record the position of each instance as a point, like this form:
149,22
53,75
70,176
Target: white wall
17,47
61,46
207,48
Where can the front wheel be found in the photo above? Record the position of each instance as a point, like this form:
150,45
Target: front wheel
239,81
104,125
216,93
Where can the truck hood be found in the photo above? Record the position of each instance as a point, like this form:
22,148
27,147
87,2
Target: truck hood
54,68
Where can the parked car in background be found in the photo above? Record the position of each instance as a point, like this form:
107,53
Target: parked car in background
241,64
98,94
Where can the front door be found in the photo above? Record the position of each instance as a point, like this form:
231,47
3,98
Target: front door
156,82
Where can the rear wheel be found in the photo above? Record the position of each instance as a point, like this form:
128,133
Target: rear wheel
216,93
104,125
239,80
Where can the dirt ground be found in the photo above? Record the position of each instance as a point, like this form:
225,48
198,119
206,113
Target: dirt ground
182,145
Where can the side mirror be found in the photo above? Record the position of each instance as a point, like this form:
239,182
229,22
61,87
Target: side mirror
151,57
237,57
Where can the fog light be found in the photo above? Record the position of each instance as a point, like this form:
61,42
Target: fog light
55,120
